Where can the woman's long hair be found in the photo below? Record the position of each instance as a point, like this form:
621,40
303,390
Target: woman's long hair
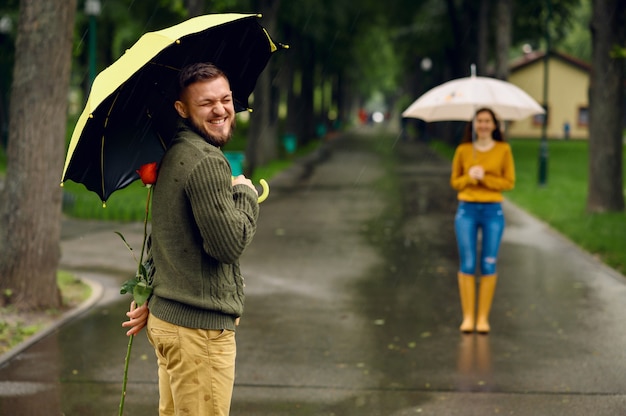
497,133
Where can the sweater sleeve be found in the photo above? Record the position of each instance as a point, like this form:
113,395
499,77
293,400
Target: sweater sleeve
459,178
226,216
505,179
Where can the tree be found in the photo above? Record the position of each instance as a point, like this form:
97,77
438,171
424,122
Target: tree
30,210
262,141
482,52
504,28
606,107
194,7
8,15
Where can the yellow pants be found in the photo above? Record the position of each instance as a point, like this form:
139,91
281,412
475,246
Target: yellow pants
196,368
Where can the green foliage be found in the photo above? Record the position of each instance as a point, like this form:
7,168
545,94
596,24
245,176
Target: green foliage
562,201
578,41
73,289
12,334
273,168
618,52
239,140
443,149
128,204
139,286
380,71
530,19
120,24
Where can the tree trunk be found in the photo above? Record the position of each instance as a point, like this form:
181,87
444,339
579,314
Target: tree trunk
455,52
30,214
462,18
299,80
262,140
606,108
194,7
293,84
306,130
504,29
482,52
338,104
293,93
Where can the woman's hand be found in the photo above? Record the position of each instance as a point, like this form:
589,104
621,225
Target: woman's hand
476,172
138,318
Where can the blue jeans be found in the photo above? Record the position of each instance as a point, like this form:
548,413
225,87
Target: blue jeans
470,217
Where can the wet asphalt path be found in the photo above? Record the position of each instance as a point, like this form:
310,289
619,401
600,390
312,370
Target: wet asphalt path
352,308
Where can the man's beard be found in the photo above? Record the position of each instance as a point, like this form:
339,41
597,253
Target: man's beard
215,141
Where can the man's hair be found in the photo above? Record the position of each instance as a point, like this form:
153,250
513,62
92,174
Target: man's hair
198,72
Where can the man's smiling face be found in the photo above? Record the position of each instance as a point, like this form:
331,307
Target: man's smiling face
208,107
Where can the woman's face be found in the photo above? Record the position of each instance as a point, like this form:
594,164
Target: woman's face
484,125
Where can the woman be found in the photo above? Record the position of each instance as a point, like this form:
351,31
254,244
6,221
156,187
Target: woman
482,169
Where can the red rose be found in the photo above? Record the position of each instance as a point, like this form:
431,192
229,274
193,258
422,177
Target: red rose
148,173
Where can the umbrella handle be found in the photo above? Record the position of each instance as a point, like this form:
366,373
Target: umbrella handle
266,190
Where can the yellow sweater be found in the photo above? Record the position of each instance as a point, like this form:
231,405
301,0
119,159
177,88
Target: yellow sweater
499,172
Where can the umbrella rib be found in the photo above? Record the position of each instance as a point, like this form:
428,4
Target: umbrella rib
106,122
173,68
273,47
102,163
161,140
163,145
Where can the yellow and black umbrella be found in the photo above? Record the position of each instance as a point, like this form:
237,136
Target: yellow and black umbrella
129,118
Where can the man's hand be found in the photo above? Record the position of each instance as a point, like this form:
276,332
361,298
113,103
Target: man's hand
242,180
138,318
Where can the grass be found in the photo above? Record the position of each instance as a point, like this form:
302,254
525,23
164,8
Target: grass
561,202
16,326
73,290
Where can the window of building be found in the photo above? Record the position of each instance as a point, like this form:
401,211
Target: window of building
583,116
538,118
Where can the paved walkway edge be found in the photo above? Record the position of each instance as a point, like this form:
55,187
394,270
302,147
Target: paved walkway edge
565,240
97,291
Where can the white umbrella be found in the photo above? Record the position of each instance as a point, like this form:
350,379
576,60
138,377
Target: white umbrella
460,98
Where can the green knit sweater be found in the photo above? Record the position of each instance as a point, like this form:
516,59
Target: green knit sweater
201,225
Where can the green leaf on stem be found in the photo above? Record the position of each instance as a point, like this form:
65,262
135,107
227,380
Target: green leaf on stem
141,293
128,286
126,244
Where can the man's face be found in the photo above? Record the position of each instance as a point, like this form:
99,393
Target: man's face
208,107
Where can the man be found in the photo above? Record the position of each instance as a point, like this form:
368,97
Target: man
202,221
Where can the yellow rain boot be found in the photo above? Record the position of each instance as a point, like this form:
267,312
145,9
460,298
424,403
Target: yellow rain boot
487,287
467,290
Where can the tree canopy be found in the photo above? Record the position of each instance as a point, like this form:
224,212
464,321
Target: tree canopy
372,46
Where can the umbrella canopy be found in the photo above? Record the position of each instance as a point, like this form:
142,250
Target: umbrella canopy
129,118
460,98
